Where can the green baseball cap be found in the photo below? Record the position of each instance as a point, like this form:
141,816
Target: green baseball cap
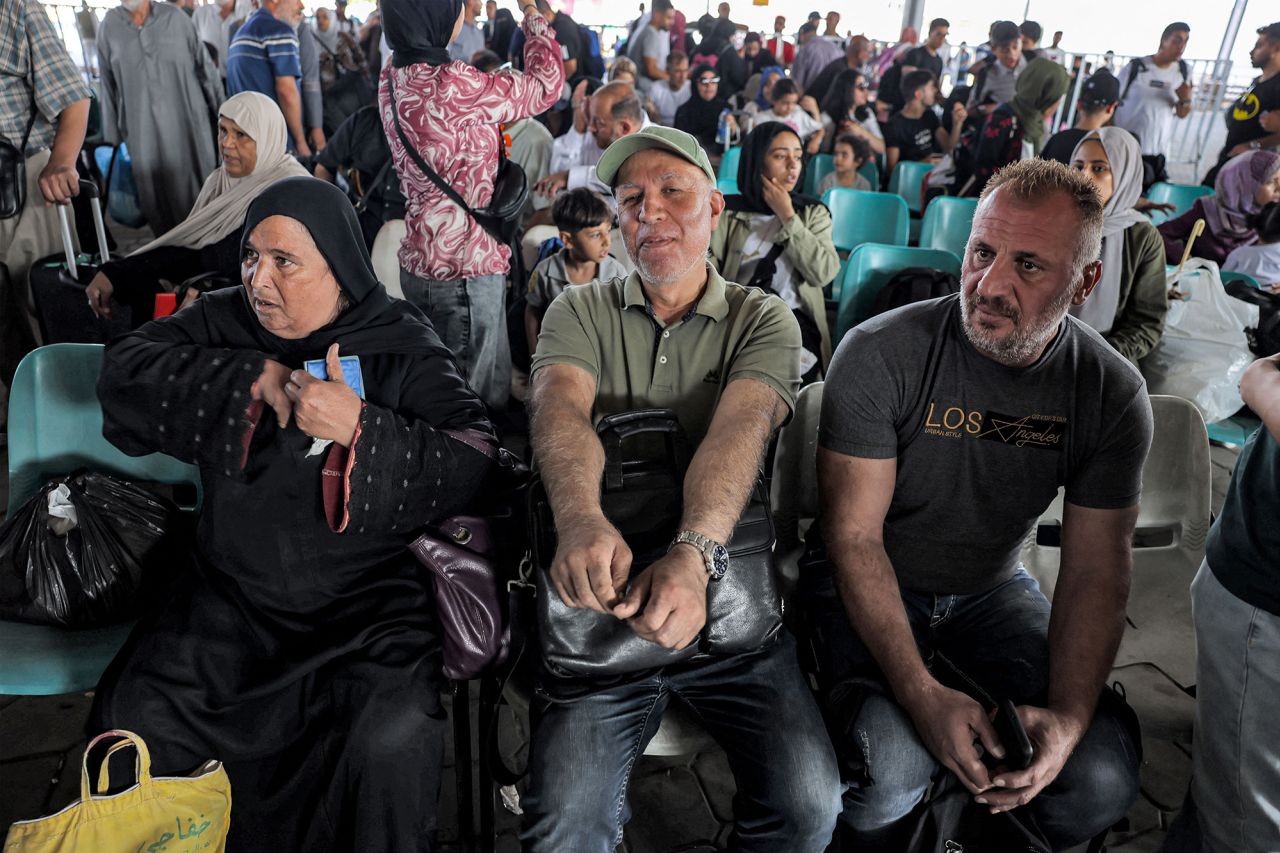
654,136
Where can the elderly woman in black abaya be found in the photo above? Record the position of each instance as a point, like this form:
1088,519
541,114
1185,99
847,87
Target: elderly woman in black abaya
300,646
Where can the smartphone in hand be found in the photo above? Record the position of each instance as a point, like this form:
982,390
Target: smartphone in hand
1018,751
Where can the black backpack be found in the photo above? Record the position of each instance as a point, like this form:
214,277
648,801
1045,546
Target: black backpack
914,284
1137,66
1264,340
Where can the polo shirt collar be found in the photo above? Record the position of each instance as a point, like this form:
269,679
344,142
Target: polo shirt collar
711,304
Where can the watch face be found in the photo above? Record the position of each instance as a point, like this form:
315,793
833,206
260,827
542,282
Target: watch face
719,561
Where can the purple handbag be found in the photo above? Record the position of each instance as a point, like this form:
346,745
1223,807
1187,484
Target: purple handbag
460,553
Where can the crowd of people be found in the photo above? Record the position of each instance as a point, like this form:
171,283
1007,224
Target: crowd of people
271,153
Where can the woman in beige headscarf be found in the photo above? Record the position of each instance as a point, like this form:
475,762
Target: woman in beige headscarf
252,139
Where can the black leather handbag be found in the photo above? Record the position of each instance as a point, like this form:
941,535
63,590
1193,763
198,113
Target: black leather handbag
13,170
646,457
501,216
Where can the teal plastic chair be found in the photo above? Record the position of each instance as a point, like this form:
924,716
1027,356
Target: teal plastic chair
947,222
728,186
1181,196
1227,276
905,181
859,217
870,268
871,171
55,427
819,167
729,164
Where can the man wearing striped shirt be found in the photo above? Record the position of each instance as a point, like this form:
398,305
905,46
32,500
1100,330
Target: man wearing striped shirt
264,58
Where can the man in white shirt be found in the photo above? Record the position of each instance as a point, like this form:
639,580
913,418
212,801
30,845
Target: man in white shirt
1153,91
213,25
652,45
670,94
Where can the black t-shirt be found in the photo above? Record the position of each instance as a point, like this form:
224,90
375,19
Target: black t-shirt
1244,122
1062,145
1244,542
359,143
890,90
920,57
913,137
568,36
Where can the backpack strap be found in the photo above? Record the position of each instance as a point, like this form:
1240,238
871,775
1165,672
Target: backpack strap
1136,67
1185,69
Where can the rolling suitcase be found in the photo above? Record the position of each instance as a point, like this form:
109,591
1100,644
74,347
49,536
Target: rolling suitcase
58,287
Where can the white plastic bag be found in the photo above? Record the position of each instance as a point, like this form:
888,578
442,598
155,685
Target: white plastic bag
1204,350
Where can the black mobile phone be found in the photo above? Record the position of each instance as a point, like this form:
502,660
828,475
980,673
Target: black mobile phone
1018,751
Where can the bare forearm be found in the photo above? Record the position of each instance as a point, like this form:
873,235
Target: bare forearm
1260,388
291,106
72,123
570,459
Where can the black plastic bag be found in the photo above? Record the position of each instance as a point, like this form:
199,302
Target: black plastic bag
93,573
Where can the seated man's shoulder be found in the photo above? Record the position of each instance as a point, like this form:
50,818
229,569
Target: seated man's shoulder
1092,357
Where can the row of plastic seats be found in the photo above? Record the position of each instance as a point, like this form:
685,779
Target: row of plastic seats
1181,196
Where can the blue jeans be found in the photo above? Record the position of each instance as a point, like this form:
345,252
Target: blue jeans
1234,803
470,316
757,706
999,638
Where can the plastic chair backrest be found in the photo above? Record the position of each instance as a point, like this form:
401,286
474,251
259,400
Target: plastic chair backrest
947,222
869,270
859,217
55,425
1228,275
728,186
906,181
1181,196
819,167
794,484
1177,478
729,164
871,171
386,247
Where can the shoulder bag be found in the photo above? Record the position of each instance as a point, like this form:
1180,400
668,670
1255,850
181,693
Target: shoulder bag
642,495
501,216
13,170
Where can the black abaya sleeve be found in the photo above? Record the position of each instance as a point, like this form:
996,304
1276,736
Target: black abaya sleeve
164,390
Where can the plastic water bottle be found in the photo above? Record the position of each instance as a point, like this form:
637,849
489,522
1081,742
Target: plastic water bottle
722,129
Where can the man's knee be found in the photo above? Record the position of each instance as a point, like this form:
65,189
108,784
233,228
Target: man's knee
394,734
897,766
1096,787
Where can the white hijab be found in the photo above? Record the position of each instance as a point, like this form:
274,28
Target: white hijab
1119,214
223,201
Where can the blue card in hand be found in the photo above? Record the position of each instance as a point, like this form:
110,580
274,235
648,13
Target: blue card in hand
350,371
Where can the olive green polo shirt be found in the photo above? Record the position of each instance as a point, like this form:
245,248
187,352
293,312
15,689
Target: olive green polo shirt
735,332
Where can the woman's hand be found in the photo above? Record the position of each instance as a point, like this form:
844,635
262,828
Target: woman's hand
270,389
326,409
809,105
778,199
99,292
815,143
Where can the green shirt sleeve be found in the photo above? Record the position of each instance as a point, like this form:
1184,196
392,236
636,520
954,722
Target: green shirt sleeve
565,339
770,351
1140,317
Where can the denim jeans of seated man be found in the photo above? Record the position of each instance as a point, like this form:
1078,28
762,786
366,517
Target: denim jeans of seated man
470,316
757,707
999,639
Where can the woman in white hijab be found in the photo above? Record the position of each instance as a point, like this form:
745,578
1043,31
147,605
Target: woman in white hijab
252,140
1129,304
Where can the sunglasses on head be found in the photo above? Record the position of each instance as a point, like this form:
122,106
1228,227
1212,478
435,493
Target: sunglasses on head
707,81
864,86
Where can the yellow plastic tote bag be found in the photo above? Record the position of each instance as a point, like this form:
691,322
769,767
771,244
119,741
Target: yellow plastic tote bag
189,814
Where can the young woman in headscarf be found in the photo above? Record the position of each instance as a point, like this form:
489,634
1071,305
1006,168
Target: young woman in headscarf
252,137
300,646
504,27
1129,303
776,239
1015,129
1246,184
449,112
847,109
700,115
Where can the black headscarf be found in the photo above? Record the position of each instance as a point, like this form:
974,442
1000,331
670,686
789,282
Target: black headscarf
751,167
373,323
700,116
504,26
419,30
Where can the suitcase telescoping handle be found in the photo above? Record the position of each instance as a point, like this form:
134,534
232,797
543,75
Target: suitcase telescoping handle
90,189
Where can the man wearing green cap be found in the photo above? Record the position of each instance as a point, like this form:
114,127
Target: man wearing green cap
725,358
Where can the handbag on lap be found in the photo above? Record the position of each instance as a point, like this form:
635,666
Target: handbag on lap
642,495
173,814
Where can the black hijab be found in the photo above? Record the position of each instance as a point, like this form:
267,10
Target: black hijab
700,116
373,323
419,30
504,26
750,199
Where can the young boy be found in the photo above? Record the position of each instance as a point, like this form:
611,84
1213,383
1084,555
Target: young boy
849,154
915,132
784,100
585,224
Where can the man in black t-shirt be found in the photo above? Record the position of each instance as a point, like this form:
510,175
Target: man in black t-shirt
358,149
925,57
947,429
915,132
567,36
1245,130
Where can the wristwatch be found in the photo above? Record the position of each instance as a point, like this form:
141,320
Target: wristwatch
1255,145
715,555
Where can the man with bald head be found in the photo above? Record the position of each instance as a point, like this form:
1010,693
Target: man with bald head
614,111
725,358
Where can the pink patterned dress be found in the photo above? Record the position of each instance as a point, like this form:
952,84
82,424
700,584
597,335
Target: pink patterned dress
451,114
